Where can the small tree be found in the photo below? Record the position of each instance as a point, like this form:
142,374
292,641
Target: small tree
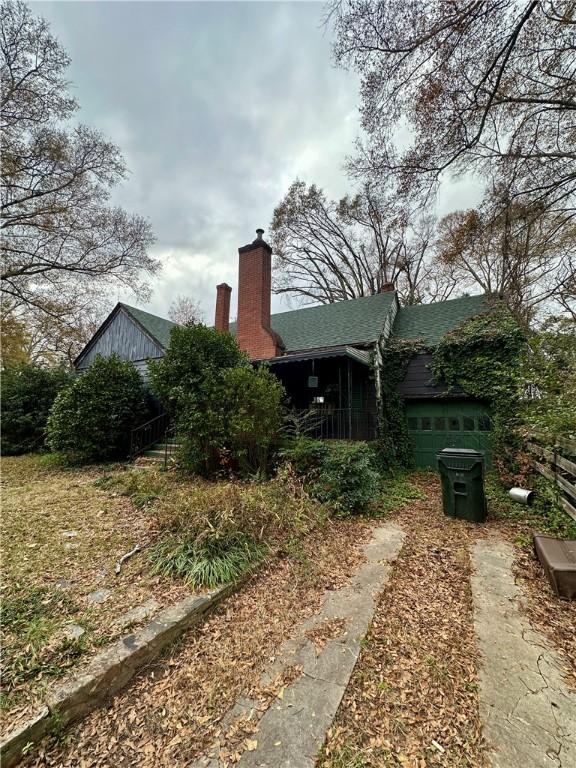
28,392
252,408
227,414
195,356
92,418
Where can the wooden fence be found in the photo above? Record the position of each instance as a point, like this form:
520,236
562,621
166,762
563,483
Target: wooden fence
553,464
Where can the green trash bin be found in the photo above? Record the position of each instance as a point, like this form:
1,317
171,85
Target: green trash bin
462,476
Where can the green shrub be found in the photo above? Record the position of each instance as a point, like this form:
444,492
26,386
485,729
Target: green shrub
343,475
227,414
28,392
348,480
306,455
196,356
251,403
92,418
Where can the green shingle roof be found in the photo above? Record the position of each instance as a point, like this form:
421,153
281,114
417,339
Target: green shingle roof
430,322
356,321
157,327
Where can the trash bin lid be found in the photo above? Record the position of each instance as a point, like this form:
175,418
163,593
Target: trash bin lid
461,453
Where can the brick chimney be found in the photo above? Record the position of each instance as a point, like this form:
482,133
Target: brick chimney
387,287
253,331
222,319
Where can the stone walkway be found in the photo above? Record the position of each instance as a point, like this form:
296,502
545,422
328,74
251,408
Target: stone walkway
529,715
292,730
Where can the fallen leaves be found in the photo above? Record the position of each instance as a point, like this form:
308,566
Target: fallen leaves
412,700
174,712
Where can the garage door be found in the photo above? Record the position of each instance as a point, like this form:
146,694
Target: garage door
448,424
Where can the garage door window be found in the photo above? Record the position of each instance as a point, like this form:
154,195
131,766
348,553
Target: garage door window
468,424
454,424
484,423
440,424
426,423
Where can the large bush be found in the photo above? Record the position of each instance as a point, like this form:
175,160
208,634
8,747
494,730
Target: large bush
343,475
91,419
28,392
227,414
196,357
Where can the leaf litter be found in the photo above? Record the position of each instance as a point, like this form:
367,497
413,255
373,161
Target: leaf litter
173,711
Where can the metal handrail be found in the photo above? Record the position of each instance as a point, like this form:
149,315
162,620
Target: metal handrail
149,433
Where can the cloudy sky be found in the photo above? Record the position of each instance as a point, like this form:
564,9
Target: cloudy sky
217,107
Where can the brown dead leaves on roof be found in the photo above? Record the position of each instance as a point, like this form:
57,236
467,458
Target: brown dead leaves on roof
412,700
173,712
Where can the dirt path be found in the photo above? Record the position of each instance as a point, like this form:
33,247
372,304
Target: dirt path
413,697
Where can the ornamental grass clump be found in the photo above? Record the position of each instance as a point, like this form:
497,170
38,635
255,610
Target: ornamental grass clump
213,533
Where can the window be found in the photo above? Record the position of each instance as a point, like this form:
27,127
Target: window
468,424
426,423
318,400
440,424
484,423
454,424
412,422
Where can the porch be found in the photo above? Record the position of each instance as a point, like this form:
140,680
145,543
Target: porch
332,392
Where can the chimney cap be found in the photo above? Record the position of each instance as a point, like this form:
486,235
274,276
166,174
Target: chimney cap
224,287
259,242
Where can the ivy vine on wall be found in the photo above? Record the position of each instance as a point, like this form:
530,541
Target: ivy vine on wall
481,357
394,440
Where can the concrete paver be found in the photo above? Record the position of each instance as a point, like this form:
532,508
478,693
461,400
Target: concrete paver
529,714
293,729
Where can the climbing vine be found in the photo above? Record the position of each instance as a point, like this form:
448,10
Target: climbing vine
483,357
394,441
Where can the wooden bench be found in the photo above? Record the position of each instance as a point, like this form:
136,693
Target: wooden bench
558,559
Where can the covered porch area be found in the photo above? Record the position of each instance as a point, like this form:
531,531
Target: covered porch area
332,390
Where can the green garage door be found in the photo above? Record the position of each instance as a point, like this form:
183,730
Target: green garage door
434,425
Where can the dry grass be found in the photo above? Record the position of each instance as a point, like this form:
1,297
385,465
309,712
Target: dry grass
61,538
174,710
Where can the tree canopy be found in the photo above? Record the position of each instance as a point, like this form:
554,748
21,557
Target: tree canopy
63,243
470,86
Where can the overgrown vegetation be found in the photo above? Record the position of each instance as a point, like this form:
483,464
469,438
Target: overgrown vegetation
393,438
482,356
212,533
28,392
343,475
544,515
91,419
227,414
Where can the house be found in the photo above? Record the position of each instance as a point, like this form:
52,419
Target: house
328,357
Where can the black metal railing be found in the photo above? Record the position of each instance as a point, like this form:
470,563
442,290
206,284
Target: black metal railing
340,424
148,434
169,445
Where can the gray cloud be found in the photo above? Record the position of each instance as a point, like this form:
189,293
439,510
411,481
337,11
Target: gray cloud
217,107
